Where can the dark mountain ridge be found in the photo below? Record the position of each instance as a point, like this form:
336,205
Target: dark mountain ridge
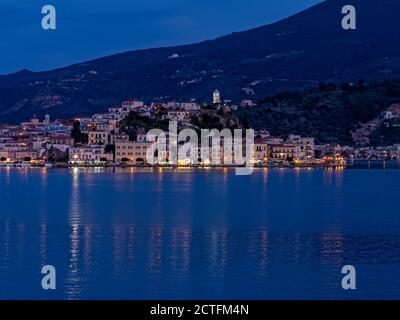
294,53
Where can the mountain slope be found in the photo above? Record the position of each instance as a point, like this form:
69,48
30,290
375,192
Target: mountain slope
345,114
296,52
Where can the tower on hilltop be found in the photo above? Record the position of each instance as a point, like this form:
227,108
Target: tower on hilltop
216,97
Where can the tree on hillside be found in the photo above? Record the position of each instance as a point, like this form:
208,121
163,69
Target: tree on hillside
76,132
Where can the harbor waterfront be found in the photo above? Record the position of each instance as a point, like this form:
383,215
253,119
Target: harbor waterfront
159,233
343,164
135,134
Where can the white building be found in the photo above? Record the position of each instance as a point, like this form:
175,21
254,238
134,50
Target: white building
178,115
98,137
46,119
261,151
397,148
102,117
387,115
131,152
190,106
305,147
132,104
88,154
173,105
216,97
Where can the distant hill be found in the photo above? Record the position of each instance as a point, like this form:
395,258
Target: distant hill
294,53
342,114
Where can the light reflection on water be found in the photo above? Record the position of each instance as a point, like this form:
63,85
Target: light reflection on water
157,233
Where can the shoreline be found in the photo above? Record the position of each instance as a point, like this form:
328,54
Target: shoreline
173,167
347,166
367,164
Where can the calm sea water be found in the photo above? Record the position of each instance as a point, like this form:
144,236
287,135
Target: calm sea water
193,234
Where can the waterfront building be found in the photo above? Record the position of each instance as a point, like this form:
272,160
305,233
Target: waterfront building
384,153
55,152
305,147
13,146
131,152
261,151
18,155
25,155
223,150
323,150
363,153
282,152
214,155
89,155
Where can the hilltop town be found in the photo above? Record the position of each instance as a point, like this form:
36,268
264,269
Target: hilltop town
119,137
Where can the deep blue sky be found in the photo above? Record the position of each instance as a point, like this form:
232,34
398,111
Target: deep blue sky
87,29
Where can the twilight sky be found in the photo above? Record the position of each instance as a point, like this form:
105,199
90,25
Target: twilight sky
87,29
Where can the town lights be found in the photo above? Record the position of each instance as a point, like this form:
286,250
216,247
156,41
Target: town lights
183,162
